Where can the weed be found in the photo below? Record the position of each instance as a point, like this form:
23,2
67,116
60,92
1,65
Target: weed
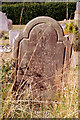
64,106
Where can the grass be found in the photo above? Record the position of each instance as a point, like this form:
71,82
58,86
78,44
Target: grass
65,104
18,27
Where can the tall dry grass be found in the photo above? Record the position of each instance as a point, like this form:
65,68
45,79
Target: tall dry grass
20,103
63,105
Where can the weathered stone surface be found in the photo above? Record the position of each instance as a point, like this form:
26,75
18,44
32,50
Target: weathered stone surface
39,51
9,24
78,6
77,12
12,35
3,22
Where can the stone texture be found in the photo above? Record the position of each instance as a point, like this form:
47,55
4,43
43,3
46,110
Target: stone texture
5,23
9,24
78,6
77,12
12,35
39,51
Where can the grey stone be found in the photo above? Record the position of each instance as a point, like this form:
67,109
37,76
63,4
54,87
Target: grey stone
5,23
63,26
12,35
40,51
78,6
77,12
9,24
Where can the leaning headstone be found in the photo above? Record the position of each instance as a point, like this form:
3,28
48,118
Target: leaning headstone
3,22
39,51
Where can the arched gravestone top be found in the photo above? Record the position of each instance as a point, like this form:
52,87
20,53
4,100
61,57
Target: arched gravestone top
39,51
33,23
46,20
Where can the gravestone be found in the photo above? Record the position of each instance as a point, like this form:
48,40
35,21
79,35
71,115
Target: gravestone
9,24
12,34
39,51
5,23
77,12
77,16
78,6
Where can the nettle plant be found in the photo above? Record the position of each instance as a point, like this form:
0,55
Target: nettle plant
71,28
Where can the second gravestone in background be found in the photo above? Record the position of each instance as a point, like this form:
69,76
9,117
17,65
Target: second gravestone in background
5,24
77,12
12,35
77,15
39,51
